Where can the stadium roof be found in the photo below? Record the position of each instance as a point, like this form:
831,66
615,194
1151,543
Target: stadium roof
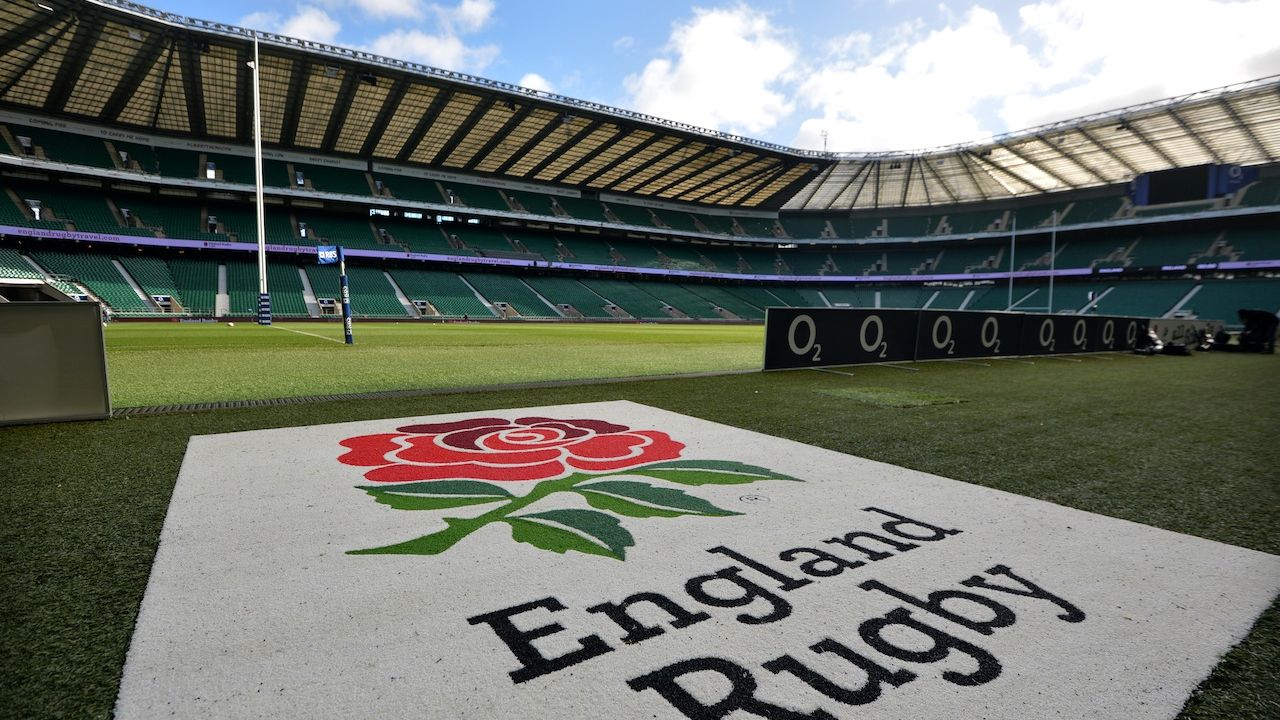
119,63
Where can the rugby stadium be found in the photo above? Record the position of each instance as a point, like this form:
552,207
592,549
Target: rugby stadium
514,248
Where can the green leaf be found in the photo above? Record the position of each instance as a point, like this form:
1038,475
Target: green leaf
619,496
435,495
708,472
604,534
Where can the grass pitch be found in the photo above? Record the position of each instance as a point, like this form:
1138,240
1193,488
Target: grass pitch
167,363
1186,444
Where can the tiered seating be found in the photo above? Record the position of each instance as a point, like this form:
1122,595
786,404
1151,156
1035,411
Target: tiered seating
421,237
905,297
67,147
534,203
724,299
757,296
242,287
243,221
1095,210
235,169
581,208
970,222
276,174
807,226
143,155
677,220
86,208
335,180
510,290
371,294
586,250
1263,192
97,273
177,217
685,257
757,227
11,214
568,291
632,214
636,253
964,258
482,239
716,224
344,230
285,287
197,283
1220,299
695,306
1174,208
636,302
406,187
475,196
13,266
1143,298
1254,244
1069,296
176,163
1173,248
152,275
853,296
544,245
447,292
949,298
995,297
799,297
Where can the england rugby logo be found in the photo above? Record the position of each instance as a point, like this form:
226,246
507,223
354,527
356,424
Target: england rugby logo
440,466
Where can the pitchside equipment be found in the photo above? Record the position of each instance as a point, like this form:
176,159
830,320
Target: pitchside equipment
328,255
820,337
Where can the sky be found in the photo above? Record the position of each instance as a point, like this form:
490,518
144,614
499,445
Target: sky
843,75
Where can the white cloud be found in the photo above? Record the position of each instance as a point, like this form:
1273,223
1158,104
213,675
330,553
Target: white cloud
390,8
534,81
972,77
626,42
445,47
723,69
442,50
470,15
308,23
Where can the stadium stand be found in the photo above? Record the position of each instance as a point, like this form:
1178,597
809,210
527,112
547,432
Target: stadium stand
371,294
13,266
1220,299
99,274
197,284
568,291
153,276
635,302
445,291
63,146
721,298
512,291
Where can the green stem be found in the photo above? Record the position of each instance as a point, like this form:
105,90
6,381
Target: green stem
459,528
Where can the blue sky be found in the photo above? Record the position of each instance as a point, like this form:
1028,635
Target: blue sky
855,74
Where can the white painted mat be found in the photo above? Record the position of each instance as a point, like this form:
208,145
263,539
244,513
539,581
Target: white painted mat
611,560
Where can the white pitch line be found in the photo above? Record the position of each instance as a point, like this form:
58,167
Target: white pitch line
833,372
300,332
1024,362
1065,359
899,367
971,362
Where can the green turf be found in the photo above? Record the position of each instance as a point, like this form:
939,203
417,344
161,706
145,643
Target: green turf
1187,444
890,397
154,364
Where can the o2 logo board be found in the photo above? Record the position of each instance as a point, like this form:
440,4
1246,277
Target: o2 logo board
839,336
956,334
450,465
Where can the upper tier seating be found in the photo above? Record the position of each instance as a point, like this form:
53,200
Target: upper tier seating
66,147
371,294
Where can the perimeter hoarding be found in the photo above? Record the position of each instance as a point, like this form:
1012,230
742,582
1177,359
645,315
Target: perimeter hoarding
824,337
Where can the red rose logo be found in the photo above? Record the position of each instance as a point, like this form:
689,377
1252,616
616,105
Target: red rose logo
530,448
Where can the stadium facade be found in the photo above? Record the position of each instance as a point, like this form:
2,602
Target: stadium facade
127,167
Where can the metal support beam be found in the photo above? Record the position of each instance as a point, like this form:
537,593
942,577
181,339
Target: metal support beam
388,111
769,170
951,195
650,162
193,85
1244,128
293,101
463,129
564,146
424,123
72,65
139,67
164,83
1153,147
906,183
1058,178
1107,151
502,133
622,158
590,155
1004,171
36,56
341,108
529,145
757,184
708,186
1071,158
848,184
816,184
973,177
21,34
1202,142
679,175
